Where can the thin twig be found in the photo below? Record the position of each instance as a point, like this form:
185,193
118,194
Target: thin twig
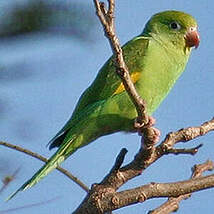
39,157
8,179
187,134
119,159
28,206
107,21
172,204
191,151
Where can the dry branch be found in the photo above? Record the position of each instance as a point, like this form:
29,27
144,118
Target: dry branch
172,204
114,201
39,157
103,196
107,20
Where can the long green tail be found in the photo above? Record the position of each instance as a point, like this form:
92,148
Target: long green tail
52,163
73,139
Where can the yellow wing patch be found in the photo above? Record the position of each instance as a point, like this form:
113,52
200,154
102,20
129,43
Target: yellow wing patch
135,76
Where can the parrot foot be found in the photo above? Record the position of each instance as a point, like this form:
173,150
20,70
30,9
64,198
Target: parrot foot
139,126
151,122
150,135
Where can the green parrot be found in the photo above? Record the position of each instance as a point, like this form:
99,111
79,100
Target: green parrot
155,59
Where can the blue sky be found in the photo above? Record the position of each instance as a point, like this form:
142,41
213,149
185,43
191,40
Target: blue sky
39,105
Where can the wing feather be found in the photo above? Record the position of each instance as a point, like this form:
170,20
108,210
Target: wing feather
107,82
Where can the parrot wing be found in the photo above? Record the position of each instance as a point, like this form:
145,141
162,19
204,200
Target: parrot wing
107,82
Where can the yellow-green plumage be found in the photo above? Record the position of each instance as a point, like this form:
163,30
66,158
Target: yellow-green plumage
155,59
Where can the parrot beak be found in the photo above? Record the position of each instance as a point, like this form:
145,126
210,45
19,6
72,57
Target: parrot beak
192,37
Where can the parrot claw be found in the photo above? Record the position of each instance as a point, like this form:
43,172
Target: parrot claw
151,122
150,135
139,126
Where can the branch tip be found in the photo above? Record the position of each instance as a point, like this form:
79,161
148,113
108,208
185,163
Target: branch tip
120,159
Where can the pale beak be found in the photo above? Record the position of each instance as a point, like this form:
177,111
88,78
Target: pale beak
192,37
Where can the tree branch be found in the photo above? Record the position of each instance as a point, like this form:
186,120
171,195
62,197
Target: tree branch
104,201
39,157
144,159
106,190
118,200
103,197
172,204
107,20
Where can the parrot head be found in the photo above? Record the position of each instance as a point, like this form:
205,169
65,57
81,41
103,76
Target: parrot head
175,27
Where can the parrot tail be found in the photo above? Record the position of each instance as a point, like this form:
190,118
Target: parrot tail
52,163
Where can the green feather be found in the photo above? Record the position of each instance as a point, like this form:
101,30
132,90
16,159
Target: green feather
158,56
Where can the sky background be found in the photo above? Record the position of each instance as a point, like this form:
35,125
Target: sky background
57,69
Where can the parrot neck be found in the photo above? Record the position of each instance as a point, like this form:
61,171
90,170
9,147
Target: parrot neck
176,45
159,77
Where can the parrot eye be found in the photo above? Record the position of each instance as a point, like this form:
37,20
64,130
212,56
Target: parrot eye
175,26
